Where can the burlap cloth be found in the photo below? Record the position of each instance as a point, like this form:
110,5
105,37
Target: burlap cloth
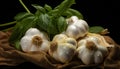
9,56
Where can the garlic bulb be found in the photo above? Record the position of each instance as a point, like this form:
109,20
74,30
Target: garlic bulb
62,48
62,52
92,49
76,27
34,40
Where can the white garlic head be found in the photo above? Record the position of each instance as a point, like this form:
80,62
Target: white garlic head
90,51
34,40
62,52
77,27
62,48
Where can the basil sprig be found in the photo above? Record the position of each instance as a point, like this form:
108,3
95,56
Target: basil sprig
52,21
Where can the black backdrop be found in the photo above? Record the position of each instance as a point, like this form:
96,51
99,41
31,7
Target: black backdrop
95,12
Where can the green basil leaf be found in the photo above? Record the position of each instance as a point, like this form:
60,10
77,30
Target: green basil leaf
52,28
22,15
61,24
20,29
48,8
75,13
96,29
65,5
67,14
38,7
53,12
43,21
17,45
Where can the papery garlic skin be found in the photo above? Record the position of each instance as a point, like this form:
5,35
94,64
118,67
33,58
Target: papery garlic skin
72,19
98,39
76,27
34,40
62,48
59,38
71,41
98,57
85,55
94,53
32,31
35,31
62,38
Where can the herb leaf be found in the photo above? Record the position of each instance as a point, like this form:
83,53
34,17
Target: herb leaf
40,8
64,6
96,29
20,28
61,24
44,23
48,8
22,15
75,13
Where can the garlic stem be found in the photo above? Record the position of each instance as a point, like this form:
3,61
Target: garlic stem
37,40
90,45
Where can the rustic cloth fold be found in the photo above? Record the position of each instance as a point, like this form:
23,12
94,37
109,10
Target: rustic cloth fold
9,56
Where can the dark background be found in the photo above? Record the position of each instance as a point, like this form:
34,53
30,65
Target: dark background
96,12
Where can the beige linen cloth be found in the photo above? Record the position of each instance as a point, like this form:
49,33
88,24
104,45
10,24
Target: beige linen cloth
9,56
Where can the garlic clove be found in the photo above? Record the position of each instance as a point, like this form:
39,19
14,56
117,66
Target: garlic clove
44,46
25,43
52,50
32,31
72,31
71,20
103,50
33,48
81,24
98,57
71,41
59,38
35,31
85,55
65,52
81,42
